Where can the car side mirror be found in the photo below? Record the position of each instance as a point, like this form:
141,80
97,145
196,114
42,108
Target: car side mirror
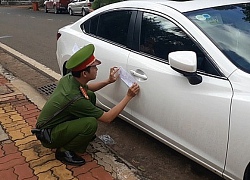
185,62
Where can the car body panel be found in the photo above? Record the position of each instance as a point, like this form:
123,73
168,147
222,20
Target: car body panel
238,150
77,6
60,5
190,5
173,119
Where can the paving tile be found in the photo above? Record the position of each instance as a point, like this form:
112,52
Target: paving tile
4,89
30,154
3,135
100,174
9,109
11,163
23,171
3,80
85,168
31,144
34,114
62,173
16,117
2,111
31,106
10,157
16,125
21,97
46,166
5,119
16,134
28,112
8,174
32,178
31,121
41,160
21,108
1,151
9,148
7,98
20,103
47,175
87,157
87,176
26,130
25,140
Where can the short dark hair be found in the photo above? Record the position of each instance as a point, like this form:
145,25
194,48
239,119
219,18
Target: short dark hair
78,73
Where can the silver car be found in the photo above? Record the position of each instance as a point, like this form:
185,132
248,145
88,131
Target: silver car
79,7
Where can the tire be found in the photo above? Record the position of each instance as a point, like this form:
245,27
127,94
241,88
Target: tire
45,9
247,173
55,10
83,12
71,13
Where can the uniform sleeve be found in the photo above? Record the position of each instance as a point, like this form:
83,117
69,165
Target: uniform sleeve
84,108
96,4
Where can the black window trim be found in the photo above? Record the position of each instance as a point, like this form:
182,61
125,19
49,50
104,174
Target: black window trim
130,29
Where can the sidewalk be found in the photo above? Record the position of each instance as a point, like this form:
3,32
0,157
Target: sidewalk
22,157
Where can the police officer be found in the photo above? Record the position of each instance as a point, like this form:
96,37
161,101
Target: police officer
73,128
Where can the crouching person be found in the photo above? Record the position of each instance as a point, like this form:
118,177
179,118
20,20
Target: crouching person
68,120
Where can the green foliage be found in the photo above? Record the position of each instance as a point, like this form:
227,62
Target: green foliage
99,3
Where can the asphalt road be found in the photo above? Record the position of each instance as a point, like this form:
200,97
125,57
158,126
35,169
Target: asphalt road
33,33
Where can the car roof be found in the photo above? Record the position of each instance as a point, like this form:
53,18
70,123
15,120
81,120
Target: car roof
191,5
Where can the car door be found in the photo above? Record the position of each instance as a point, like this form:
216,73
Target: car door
109,32
194,119
77,8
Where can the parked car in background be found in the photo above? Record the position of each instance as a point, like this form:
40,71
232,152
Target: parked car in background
79,7
191,60
57,6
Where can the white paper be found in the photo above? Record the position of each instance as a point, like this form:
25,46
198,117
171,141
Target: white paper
75,48
126,77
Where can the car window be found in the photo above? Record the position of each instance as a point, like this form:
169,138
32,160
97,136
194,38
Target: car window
160,36
229,29
90,26
112,26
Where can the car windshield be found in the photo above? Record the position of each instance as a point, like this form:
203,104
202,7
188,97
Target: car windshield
229,28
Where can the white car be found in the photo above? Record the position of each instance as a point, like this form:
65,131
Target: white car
79,7
191,60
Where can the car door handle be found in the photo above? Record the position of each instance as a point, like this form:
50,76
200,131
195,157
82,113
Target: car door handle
142,76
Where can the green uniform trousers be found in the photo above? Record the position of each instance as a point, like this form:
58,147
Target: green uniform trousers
74,135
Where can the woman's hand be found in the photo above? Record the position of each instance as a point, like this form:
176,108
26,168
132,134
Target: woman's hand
112,74
133,90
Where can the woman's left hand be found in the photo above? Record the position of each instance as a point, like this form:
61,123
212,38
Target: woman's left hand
112,74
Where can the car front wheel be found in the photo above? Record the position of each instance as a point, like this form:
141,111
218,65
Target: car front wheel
55,10
71,13
45,9
83,12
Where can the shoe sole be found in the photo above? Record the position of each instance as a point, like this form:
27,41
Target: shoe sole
69,163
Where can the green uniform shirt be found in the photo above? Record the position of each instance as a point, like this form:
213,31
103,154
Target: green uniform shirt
67,89
99,3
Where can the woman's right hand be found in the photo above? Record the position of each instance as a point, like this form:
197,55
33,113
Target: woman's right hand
133,90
